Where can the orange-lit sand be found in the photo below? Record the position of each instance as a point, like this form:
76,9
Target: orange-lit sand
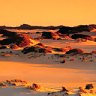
48,76
47,69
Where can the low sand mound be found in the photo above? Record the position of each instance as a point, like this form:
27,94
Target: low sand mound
7,33
16,82
25,40
72,30
16,40
64,50
77,36
36,49
50,35
74,51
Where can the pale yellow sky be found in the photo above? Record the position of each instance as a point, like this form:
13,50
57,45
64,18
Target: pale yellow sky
47,12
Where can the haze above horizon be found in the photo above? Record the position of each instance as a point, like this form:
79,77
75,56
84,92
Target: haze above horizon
47,12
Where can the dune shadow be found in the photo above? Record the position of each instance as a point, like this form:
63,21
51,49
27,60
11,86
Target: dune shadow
84,66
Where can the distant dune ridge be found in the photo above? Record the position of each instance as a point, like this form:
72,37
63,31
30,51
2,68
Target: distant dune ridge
26,42
49,56
66,28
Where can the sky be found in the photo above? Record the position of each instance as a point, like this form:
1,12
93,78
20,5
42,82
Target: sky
47,12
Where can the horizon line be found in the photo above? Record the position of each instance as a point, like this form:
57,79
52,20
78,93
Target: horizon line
46,25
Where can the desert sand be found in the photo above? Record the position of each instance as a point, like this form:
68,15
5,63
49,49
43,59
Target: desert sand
48,70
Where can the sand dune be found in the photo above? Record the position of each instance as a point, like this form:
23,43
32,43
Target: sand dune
46,63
